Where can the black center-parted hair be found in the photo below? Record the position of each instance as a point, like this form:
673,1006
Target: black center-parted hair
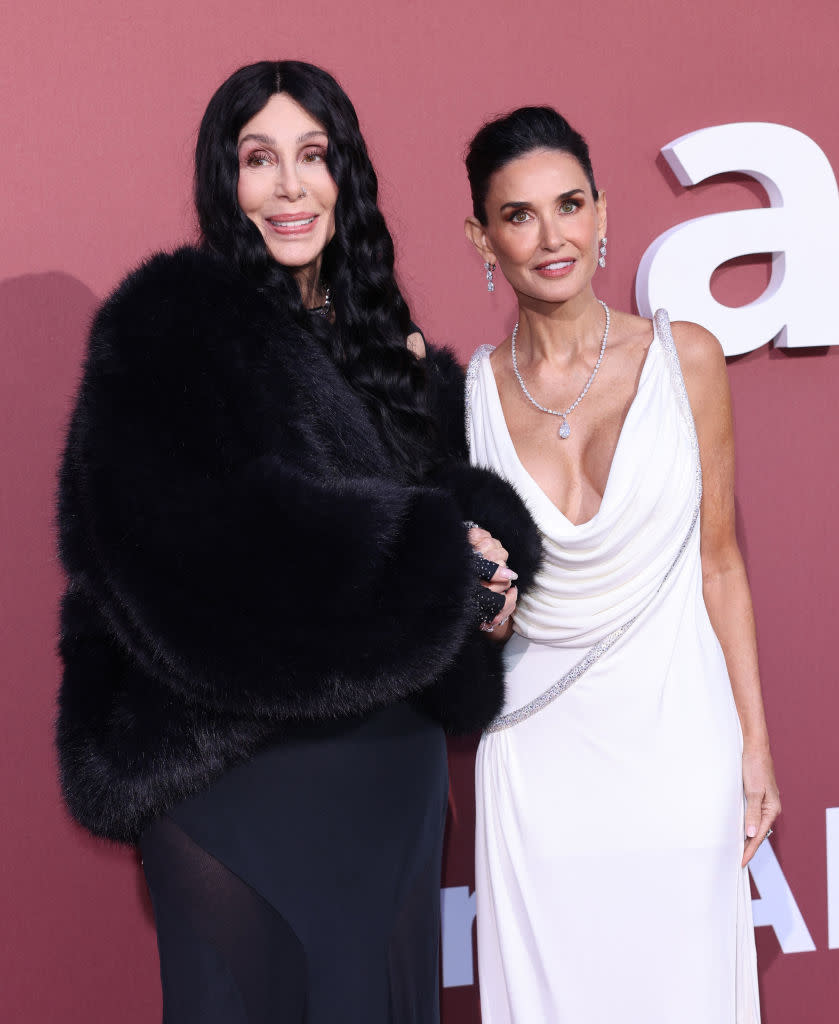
515,135
371,317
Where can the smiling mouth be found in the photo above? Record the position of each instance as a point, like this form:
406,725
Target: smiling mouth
556,265
290,225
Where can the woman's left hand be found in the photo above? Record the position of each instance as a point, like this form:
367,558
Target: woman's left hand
763,801
485,545
491,549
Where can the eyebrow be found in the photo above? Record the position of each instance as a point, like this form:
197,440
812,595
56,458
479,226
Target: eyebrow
560,199
266,140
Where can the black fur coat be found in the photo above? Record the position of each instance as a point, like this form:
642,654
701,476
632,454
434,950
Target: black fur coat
241,557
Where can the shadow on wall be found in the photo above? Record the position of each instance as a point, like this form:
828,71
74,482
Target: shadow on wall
44,320
65,883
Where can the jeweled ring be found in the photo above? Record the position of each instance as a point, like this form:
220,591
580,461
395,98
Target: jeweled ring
768,834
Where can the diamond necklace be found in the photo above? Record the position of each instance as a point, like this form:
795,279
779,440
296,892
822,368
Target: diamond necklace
564,430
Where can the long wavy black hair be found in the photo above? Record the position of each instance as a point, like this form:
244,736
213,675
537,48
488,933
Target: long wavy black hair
371,322
516,134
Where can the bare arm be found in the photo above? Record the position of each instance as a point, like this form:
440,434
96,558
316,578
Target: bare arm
725,585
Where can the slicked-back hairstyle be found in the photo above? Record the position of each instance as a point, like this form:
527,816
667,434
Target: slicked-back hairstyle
371,318
516,134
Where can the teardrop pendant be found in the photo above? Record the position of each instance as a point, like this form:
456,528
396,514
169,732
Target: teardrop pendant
564,430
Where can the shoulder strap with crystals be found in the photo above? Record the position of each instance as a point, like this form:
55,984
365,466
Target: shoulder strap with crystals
665,336
471,379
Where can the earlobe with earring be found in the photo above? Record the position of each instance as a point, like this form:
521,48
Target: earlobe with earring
489,267
602,260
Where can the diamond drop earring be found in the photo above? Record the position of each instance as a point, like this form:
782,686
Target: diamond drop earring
602,260
489,267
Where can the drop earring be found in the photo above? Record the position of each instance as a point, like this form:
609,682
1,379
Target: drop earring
489,267
602,260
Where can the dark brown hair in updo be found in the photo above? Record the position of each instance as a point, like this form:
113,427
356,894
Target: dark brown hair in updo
514,135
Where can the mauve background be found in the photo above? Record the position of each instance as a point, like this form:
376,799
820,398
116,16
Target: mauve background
100,105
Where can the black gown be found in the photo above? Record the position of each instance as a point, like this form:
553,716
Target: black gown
303,886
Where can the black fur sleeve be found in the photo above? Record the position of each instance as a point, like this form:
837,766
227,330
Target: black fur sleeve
469,693
484,497
246,583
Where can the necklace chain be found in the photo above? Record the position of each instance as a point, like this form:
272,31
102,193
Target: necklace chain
326,305
564,430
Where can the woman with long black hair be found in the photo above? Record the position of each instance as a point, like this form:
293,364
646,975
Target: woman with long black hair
274,587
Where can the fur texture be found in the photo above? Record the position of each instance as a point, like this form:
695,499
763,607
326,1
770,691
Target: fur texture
241,555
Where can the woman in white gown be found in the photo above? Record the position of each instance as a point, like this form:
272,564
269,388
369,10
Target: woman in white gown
610,866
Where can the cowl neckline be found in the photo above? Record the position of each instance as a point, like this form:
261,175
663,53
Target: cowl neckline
596,575
546,509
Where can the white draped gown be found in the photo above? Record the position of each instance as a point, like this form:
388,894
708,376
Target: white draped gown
609,790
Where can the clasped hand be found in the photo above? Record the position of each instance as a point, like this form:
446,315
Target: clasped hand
501,581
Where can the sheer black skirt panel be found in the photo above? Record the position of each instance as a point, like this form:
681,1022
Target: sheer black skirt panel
303,886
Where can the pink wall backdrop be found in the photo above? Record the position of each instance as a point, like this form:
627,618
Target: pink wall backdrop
100,106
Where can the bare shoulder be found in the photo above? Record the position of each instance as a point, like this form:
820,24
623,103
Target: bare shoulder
629,325
497,354
700,353
630,337
416,344
500,357
706,377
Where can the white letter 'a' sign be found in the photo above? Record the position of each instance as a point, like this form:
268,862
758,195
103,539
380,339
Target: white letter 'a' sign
800,229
